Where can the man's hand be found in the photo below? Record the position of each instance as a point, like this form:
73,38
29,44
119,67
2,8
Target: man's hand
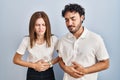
72,71
79,68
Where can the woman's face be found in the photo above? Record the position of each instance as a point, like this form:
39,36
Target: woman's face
40,27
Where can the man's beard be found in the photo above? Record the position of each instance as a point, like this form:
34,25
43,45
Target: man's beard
73,29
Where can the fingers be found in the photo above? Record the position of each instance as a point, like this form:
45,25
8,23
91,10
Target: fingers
79,68
77,65
74,70
42,68
41,65
76,75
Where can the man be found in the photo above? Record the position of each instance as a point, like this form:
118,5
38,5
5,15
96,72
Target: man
82,52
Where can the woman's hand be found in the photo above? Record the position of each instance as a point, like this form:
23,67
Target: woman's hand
41,65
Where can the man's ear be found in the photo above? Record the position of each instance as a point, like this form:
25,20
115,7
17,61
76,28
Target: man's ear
82,17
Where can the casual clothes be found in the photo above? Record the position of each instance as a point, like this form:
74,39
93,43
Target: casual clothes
38,52
86,51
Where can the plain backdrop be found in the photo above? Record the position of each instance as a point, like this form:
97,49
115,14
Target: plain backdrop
102,17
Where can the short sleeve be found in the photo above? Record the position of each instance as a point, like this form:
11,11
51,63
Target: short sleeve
23,46
101,53
59,48
55,41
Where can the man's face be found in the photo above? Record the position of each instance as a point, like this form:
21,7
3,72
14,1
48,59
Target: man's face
73,21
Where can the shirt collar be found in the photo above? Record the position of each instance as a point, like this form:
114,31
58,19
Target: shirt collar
83,35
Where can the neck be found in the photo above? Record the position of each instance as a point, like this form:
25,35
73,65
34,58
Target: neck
40,37
79,32
40,40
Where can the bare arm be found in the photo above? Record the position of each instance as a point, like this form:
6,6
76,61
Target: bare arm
54,61
38,66
70,69
62,64
18,60
99,66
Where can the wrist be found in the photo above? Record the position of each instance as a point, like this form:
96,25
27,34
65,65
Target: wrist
86,71
33,65
65,68
50,63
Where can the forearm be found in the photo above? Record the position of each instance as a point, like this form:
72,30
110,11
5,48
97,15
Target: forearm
102,65
17,60
25,64
70,70
62,64
54,61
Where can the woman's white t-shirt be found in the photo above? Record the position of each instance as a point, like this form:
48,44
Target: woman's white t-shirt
37,52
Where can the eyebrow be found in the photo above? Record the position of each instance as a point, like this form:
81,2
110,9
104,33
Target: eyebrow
70,17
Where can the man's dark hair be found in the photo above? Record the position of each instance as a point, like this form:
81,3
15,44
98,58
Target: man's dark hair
73,8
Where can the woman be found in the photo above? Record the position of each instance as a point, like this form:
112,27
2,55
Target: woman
40,45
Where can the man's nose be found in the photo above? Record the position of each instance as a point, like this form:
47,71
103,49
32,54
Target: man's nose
70,22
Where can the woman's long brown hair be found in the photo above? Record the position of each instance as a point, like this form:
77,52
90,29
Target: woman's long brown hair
32,34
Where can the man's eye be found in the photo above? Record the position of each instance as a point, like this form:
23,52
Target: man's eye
73,19
66,20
